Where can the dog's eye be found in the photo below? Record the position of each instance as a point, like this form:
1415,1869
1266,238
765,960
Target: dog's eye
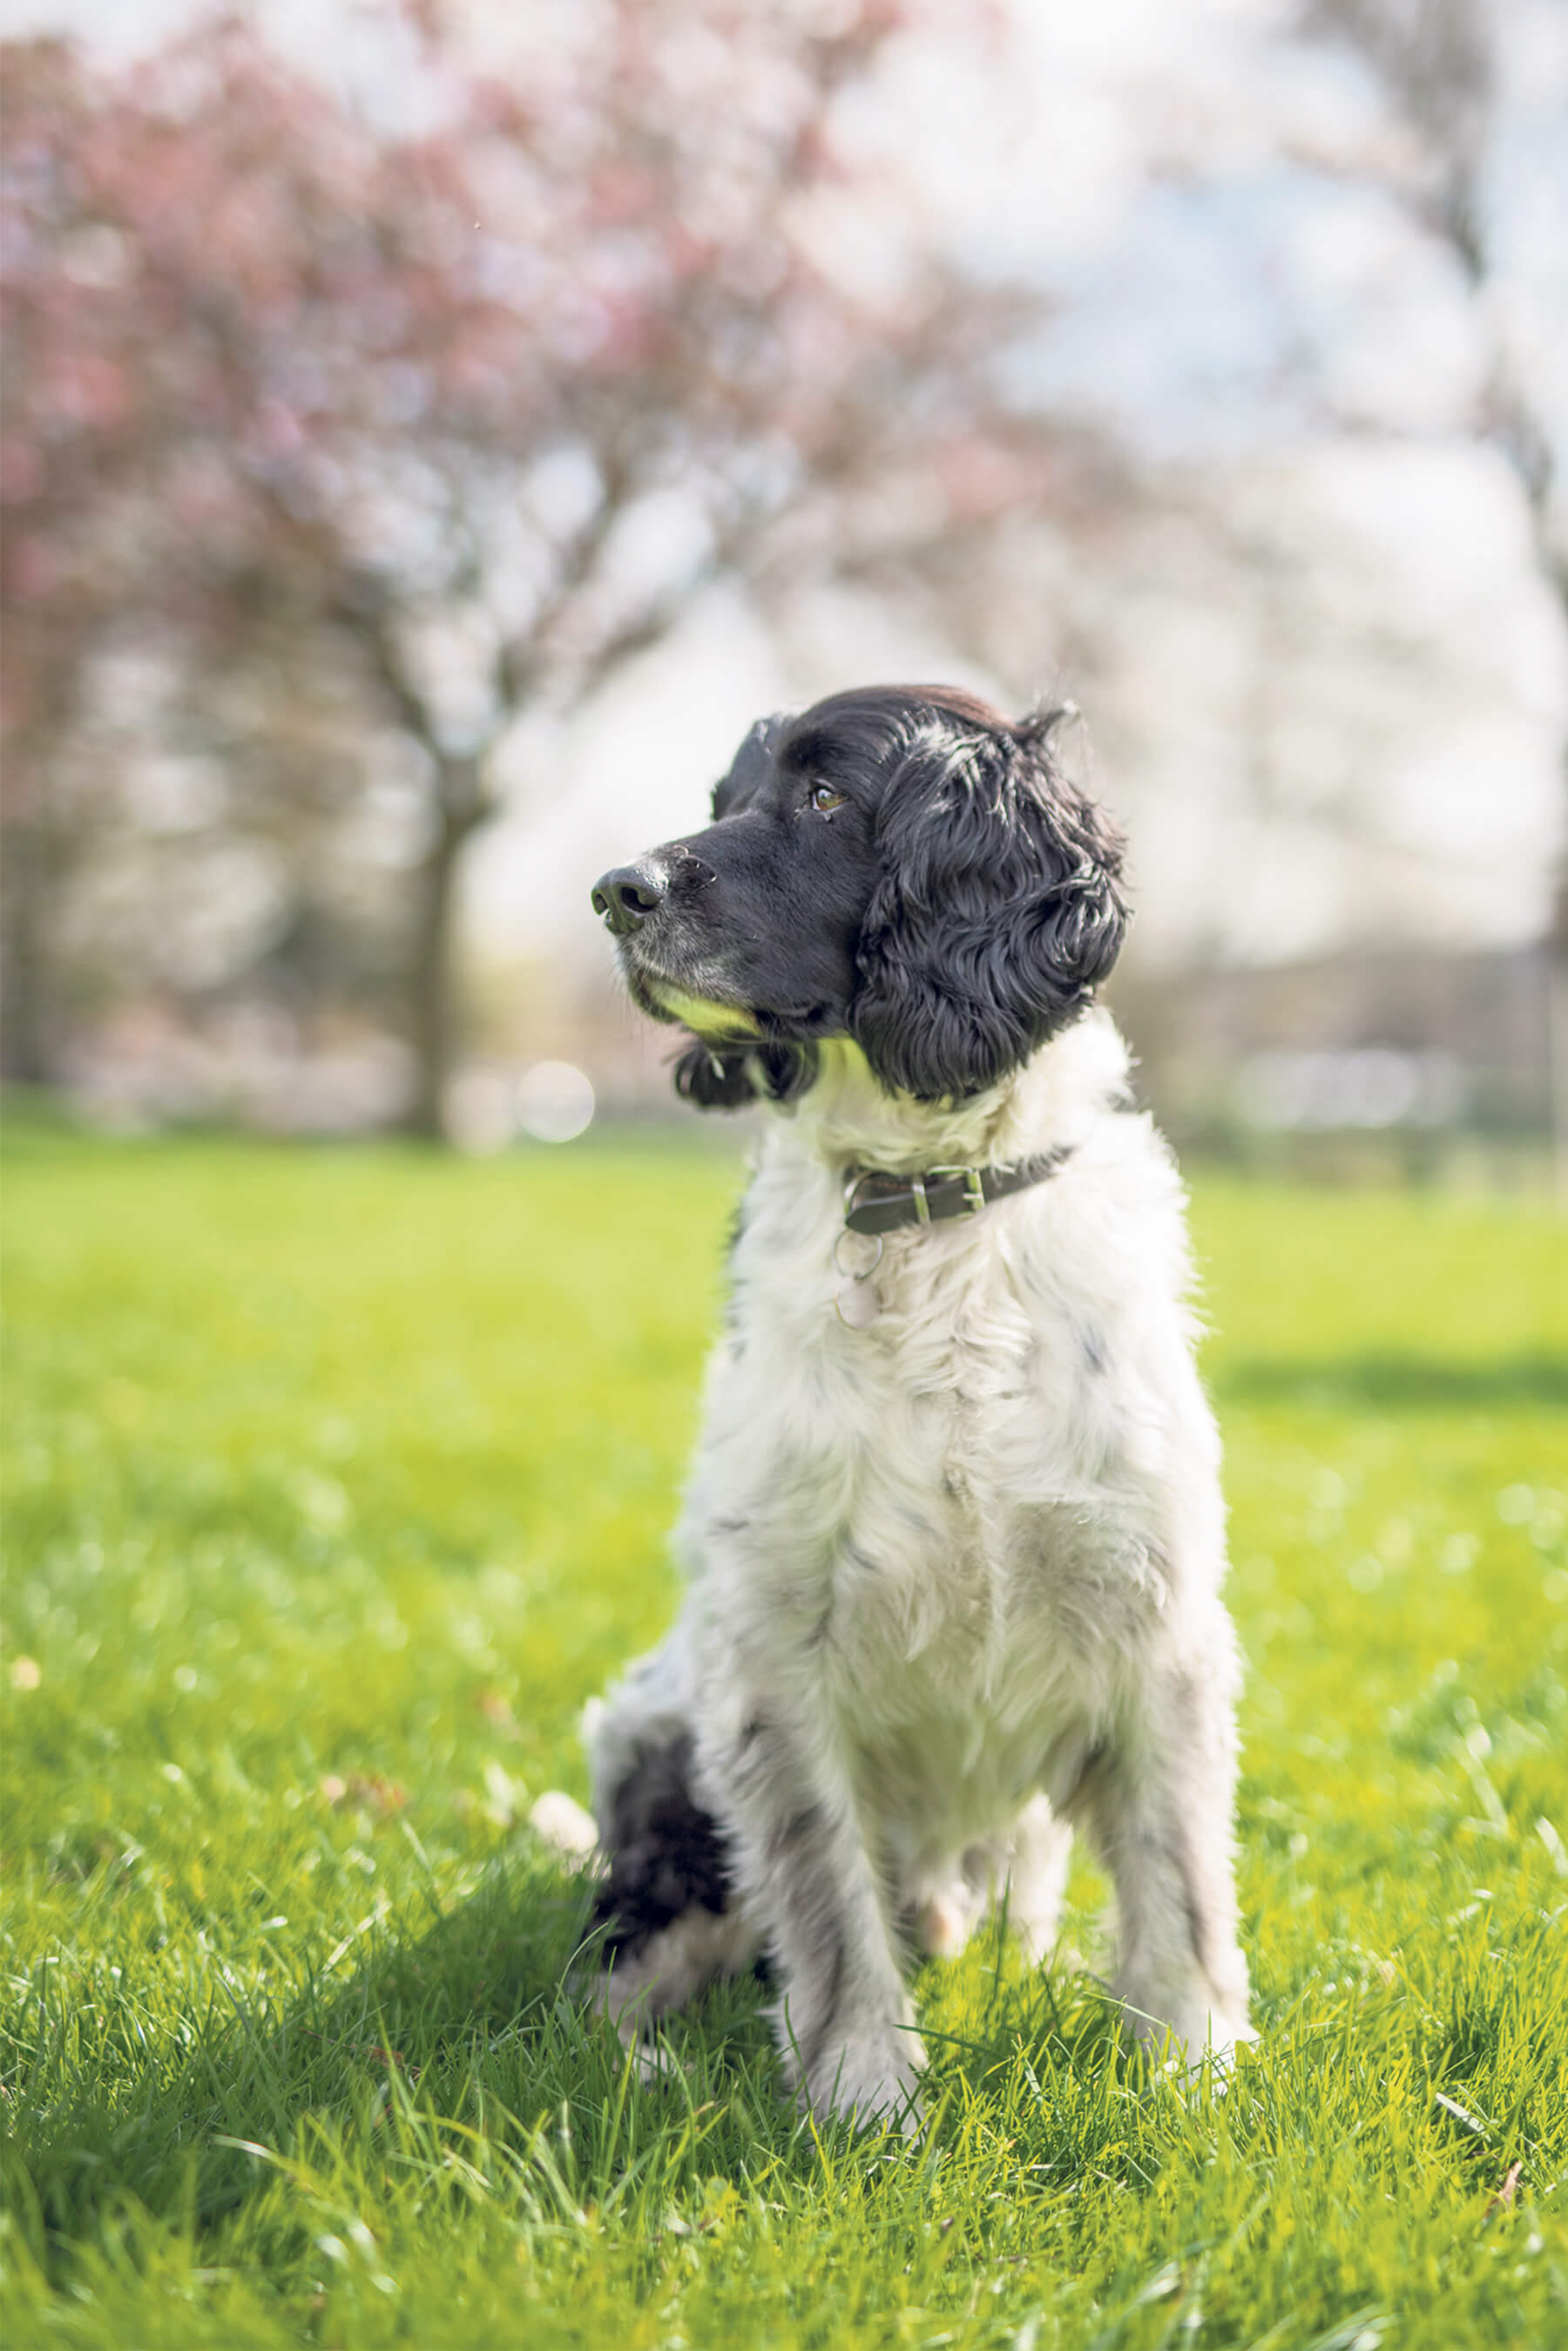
824,800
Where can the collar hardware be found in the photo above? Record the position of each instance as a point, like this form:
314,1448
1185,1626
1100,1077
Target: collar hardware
878,1202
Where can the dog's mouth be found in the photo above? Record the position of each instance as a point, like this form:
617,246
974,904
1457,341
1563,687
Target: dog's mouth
689,1001
718,1019
705,1016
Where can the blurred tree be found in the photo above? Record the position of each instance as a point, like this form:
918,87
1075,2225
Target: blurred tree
67,454
1439,70
477,406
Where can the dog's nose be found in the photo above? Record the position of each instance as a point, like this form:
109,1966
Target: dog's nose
626,897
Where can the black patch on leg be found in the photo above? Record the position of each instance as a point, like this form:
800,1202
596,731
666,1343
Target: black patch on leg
667,1855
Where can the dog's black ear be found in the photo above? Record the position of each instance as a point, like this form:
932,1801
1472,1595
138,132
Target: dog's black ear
998,909
731,1077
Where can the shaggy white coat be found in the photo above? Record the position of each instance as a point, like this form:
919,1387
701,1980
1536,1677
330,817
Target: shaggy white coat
952,1579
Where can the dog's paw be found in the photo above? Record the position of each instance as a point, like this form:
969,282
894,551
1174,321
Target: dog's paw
632,1985
945,1922
870,2078
1226,2037
1181,2048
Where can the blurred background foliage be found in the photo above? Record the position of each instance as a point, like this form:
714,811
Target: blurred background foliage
432,432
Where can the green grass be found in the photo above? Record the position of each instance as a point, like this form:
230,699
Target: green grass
335,1482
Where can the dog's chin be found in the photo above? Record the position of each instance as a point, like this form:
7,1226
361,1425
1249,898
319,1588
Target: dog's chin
720,1022
714,1022
707,1017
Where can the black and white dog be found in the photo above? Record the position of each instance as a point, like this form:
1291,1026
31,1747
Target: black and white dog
953,1539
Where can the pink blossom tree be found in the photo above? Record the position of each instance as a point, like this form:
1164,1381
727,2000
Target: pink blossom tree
478,407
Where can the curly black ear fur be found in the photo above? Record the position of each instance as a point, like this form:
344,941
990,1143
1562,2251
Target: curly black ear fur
997,911
733,1077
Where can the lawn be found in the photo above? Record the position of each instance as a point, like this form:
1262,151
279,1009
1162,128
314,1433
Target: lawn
335,1481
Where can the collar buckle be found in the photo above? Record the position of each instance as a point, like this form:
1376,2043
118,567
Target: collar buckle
973,1180
878,1201
875,1201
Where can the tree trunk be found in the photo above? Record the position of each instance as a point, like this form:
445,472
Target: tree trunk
40,847
432,1007
433,1011
28,1025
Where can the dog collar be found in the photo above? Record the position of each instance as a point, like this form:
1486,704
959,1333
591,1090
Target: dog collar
877,1202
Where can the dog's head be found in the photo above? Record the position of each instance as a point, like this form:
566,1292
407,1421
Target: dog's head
900,865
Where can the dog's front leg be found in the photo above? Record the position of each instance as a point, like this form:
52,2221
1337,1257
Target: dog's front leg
845,2020
1158,1799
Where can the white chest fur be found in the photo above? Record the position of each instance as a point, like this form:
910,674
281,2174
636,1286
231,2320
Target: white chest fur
952,1585
958,1518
